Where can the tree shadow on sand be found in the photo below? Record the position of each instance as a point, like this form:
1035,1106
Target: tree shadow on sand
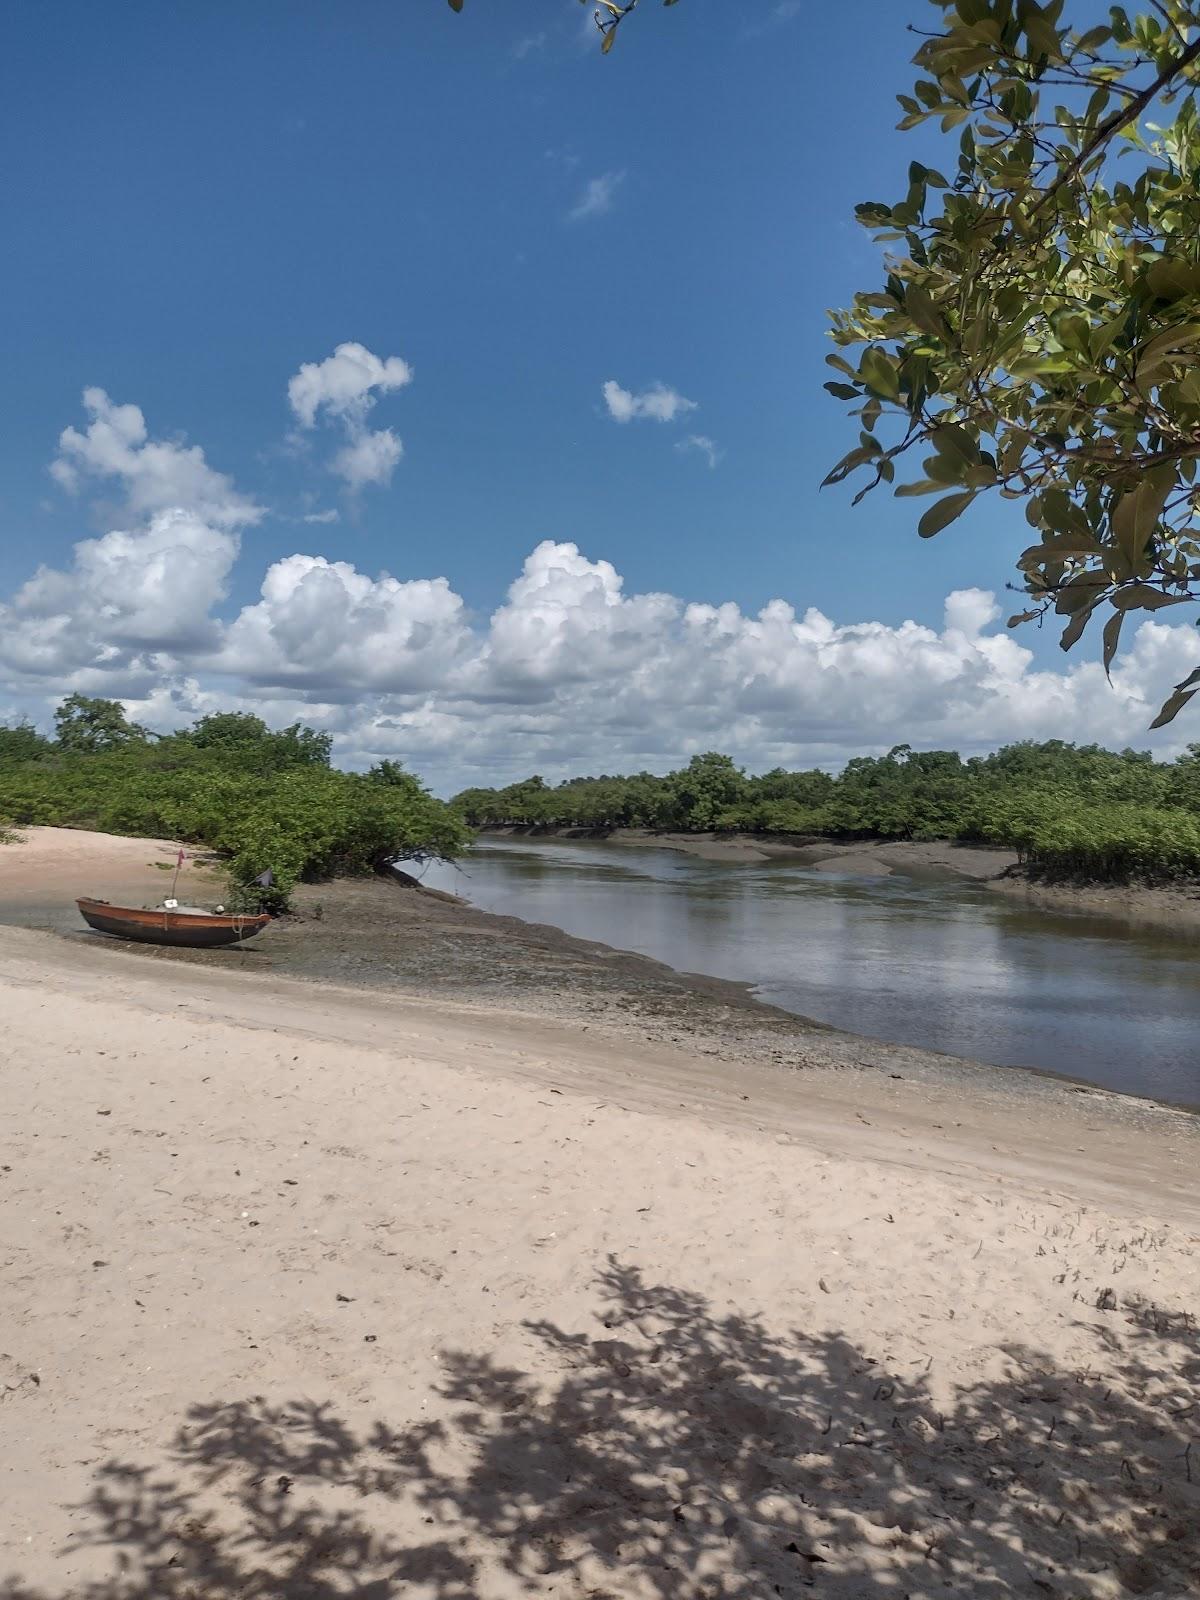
674,1452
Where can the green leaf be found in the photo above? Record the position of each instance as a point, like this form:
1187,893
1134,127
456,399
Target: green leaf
1073,631
879,372
1183,692
925,315
456,5
951,439
852,458
1111,638
1174,280
1081,591
1074,334
920,486
945,511
1069,544
1093,38
1137,512
1042,36
1158,349
843,391
1102,337
1142,597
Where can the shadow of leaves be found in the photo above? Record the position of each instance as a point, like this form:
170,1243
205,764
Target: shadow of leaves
674,1451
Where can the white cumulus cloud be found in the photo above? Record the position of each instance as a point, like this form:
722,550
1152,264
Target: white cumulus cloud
345,384
322,626
156,474
342,390
368,457
571,673
128,604
659,403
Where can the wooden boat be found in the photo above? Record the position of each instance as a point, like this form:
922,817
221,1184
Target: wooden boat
196,929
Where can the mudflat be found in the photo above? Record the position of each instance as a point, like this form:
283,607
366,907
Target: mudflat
311,1287
1174,906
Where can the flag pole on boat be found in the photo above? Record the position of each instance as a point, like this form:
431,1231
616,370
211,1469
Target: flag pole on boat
179,860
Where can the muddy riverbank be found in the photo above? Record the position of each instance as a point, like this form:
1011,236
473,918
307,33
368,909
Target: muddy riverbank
1139,904
389,936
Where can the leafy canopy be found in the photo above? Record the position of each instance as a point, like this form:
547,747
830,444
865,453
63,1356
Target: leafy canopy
1038,332
263,800
1068,810
85,724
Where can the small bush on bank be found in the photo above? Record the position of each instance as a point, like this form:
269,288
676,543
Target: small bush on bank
266,801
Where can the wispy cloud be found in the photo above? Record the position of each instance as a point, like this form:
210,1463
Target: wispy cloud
783,12
706,446
564,156
659,403
323,516
528,45
597,197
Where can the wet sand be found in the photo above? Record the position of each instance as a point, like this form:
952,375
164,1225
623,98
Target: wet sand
311,1287
866,856
382,935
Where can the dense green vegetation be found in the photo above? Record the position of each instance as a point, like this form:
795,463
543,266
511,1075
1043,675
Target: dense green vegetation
266,801
1068,810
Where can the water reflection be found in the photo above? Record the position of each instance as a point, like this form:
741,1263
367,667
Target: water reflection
927,961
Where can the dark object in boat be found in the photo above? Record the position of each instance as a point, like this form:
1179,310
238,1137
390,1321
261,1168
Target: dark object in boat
197,929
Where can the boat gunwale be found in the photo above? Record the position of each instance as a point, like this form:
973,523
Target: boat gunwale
151,915
161,925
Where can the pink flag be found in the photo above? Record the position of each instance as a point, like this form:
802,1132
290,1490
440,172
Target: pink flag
182,858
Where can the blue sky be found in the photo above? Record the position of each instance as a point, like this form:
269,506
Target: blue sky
200,200
203,197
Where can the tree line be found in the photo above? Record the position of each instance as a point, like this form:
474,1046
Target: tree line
265,800
1068,810
269,800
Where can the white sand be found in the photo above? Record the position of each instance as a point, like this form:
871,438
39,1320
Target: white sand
615,1322
50,868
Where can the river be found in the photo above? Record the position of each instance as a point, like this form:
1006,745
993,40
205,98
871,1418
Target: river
935,962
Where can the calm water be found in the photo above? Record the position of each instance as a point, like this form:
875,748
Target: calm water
934,962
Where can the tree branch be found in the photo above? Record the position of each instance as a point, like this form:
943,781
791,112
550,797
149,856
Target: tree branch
1119,119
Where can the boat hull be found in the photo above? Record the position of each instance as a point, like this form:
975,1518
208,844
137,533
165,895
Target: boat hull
169,927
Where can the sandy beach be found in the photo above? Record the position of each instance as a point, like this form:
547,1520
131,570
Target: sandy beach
314,1290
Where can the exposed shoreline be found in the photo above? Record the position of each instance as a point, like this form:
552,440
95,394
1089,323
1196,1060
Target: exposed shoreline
1135,904
380,936
298,1275
476,1257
